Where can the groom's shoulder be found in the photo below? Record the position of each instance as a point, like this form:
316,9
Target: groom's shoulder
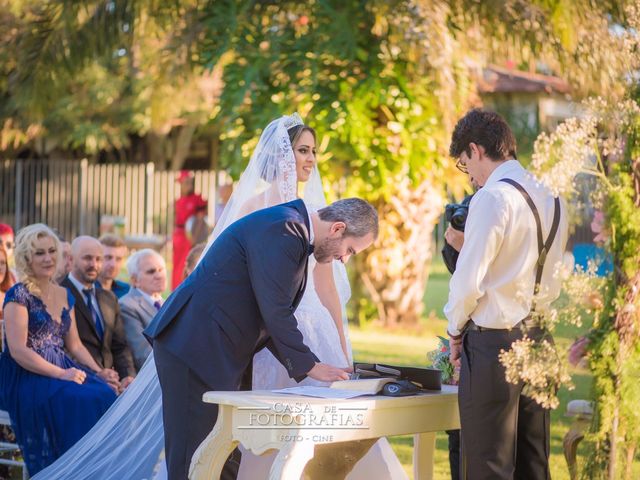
269,224
278,222
294,211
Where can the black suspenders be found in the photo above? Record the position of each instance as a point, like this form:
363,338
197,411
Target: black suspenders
543,246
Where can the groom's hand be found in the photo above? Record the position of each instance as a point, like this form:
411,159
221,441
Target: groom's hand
327,373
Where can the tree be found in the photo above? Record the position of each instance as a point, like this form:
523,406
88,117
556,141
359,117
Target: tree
95,78
350,72
604,144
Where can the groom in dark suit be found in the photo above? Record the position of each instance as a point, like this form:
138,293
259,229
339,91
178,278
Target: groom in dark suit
240,298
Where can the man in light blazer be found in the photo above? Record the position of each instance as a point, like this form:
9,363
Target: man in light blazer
148,274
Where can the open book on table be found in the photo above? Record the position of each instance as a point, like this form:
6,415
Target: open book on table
366,386
340,389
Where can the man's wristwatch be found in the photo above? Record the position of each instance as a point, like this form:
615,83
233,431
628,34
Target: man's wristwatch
459,336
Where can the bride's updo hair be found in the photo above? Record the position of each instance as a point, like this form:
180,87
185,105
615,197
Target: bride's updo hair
269,169
297,130
25,248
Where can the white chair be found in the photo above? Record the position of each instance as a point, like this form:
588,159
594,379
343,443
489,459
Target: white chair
10,448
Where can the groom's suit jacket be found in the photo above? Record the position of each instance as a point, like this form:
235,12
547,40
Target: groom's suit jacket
241,297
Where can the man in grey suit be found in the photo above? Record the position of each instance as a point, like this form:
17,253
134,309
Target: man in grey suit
148,274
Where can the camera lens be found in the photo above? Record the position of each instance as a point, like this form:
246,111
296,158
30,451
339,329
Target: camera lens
459,218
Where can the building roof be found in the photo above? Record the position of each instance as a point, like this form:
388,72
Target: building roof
502,80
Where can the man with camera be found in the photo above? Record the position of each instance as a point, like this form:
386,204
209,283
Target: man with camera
514,228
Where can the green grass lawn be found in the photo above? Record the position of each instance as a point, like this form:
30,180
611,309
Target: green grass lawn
410,349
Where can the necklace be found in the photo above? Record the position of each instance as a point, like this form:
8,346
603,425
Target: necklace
46,296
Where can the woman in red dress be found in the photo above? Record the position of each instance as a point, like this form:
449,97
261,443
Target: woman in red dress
189,204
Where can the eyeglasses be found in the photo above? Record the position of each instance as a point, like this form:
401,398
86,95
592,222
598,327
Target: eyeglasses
460,165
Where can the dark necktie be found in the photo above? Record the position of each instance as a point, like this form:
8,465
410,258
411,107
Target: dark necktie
157,304
88,293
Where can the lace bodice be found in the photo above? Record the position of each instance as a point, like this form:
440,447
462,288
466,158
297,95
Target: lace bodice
43,331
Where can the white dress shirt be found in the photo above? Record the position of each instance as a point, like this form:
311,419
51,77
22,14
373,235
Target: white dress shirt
94,300
495,273
311,236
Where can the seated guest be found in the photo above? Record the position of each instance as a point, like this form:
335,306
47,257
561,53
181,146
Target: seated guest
6,282
148,274
7,242
224,194
97,313
115,251
52,399
64,266
192,259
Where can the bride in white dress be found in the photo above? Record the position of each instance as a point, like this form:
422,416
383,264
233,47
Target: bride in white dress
128,440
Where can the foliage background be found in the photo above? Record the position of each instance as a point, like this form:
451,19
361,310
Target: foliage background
383,83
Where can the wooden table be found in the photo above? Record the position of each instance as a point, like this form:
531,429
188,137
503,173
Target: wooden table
292,424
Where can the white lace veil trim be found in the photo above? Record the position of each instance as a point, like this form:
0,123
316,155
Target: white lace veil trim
269,179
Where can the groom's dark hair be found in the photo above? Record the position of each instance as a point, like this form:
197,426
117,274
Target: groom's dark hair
359,216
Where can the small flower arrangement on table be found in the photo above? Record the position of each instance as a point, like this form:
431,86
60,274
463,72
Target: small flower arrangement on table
439,359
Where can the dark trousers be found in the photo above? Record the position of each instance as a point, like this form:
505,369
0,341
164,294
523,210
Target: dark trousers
505,435
454,453
187,419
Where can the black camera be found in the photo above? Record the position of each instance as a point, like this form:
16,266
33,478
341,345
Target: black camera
456,213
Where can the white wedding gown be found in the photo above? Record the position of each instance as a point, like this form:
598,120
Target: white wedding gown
321,336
